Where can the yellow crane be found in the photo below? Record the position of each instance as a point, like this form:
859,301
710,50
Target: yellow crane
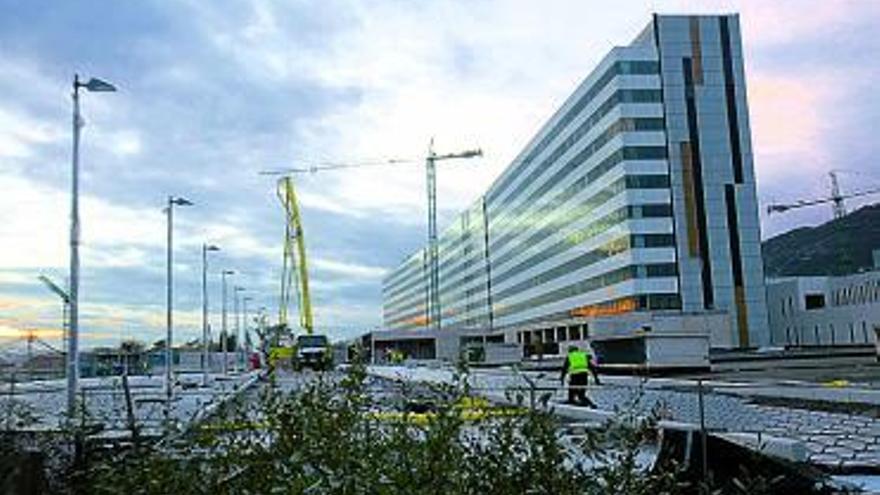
432,303
295,272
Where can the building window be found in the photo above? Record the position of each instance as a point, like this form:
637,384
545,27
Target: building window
560,334
574,332
814,301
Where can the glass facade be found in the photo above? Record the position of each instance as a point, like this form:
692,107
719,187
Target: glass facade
611,207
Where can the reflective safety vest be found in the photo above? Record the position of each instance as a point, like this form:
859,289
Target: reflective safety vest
578,362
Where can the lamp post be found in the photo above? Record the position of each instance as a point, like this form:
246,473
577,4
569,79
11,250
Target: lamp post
93,85
244,311
169,303
223,328
236,307
205,343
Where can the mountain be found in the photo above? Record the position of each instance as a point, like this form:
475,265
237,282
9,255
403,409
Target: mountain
838,247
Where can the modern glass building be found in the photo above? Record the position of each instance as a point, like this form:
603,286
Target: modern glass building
638,195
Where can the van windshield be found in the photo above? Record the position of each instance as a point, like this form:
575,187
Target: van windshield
311,341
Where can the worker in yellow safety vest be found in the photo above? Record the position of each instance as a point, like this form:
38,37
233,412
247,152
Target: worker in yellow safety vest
578,366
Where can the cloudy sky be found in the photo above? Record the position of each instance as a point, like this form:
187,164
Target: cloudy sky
211,93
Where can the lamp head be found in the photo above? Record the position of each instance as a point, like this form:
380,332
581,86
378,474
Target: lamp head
228,272
180,201
211,247
96,85
472,153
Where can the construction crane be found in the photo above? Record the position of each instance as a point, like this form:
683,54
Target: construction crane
432,304
836,199
295,272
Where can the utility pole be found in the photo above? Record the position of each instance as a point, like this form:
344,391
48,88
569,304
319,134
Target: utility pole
433,303
237,313
223,330
205,341
94,85
244,301
169,303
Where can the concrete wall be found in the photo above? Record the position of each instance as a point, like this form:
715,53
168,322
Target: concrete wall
849,316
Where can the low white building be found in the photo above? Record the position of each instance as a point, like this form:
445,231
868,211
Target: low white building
824,311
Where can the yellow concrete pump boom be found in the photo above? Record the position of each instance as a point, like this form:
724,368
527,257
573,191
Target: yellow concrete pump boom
294,274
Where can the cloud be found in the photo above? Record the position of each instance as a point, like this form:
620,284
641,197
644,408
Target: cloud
351,270
211,93
790,121
21,133
792,21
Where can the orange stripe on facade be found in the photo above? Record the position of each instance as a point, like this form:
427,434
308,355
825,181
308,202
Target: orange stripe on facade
690,203
606,309
696,51
742,325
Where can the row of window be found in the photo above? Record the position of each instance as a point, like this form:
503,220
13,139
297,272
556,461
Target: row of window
456,297
453,298
650,301
638,211
557,334
624,67
403,273
627,153
555,222
797,335
640,302
628,182
499,239
573,239
619,97
577,288
651,270
622,125
605,251
864,293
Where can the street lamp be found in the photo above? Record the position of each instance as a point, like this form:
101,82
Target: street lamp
244,311
205,362
236,290
94,85
169,303
65,304
223,331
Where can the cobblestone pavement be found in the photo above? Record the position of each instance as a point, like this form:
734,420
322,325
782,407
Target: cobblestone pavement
41,405
831,438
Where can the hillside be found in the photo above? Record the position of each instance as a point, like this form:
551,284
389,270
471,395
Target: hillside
837,247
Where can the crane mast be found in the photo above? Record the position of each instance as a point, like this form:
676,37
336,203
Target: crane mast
294,275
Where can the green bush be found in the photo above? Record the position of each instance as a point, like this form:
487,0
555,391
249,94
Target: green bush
329,438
